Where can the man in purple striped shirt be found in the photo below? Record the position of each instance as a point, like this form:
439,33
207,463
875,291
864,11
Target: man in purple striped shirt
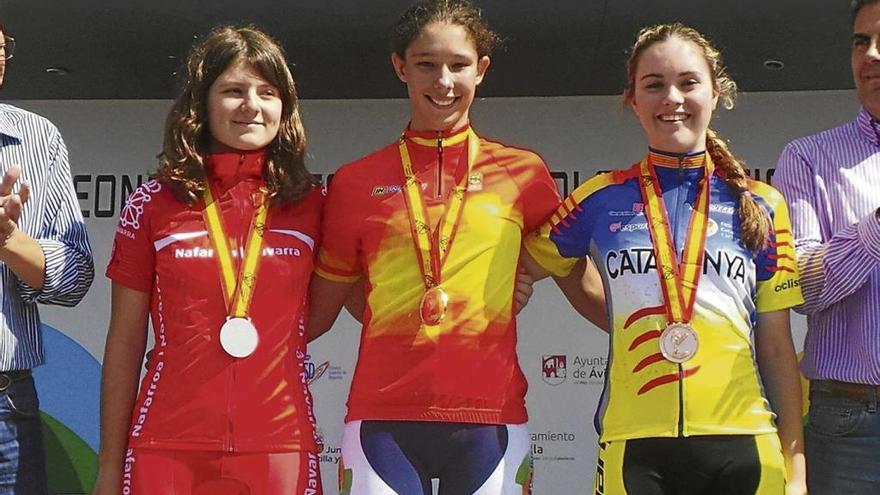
831,181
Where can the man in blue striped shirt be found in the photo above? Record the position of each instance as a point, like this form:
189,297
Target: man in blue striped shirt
44,258
831,181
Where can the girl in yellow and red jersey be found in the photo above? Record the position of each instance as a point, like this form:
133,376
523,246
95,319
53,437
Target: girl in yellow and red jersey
217,251
697,260
433,223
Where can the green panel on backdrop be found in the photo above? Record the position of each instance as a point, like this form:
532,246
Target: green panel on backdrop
71,463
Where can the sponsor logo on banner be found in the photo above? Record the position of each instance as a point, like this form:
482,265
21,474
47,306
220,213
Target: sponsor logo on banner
553,369
582,370
314,371
327,454
589,370
554,446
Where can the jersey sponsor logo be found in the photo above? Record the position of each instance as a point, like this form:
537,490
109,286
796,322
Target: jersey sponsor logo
553,368
313,481
637,209
159,348
787,285
197,252
396,188
711,228
134,207
723,209
616,227
475,181
600,471
126,472
639,261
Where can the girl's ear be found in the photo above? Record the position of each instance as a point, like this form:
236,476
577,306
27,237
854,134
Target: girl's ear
482,67
399,66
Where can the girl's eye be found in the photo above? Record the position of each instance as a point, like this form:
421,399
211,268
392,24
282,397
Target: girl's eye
654,85
425,64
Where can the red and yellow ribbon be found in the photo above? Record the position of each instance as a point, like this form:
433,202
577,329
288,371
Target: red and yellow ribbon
237,291
432,254
679,280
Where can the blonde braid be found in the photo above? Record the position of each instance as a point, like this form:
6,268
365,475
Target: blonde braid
754,223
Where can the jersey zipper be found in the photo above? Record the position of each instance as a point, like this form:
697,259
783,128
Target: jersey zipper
239,206
675,221
439,165
230,430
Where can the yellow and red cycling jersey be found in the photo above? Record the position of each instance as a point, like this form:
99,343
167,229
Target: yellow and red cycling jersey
718,391
465,369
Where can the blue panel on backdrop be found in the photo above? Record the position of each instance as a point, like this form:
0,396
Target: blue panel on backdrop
69,385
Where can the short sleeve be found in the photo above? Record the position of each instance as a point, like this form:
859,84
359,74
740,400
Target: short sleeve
133,258
777,278
338,258
539,196
566,236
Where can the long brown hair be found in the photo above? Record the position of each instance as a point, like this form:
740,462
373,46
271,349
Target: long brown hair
754,222
188,138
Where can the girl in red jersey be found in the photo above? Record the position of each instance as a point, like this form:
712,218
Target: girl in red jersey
217,252
433,223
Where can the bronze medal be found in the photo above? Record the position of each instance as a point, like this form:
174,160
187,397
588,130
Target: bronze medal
679,342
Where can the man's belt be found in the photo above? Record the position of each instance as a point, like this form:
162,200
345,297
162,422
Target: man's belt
7,378
854,391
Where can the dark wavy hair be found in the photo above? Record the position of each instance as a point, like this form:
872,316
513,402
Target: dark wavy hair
456,12
188,137
857,6
755,224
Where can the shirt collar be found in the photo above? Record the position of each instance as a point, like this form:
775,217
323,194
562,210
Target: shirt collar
450,137
868,126
7,125
667,159
232,167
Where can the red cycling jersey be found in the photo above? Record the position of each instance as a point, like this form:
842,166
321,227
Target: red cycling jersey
465,369
194,395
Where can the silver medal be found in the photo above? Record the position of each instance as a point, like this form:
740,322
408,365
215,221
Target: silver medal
238,337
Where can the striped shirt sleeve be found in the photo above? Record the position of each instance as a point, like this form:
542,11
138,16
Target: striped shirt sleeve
831,267
62,236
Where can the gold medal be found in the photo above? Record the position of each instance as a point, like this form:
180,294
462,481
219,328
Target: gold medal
432,310
679,342
432,250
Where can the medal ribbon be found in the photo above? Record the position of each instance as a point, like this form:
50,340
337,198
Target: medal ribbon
432,255
237,291
678,280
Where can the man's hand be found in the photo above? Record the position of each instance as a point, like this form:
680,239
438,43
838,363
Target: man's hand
11,203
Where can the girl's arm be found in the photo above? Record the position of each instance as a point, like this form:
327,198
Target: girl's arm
777,364
326,298
123,355
582,287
